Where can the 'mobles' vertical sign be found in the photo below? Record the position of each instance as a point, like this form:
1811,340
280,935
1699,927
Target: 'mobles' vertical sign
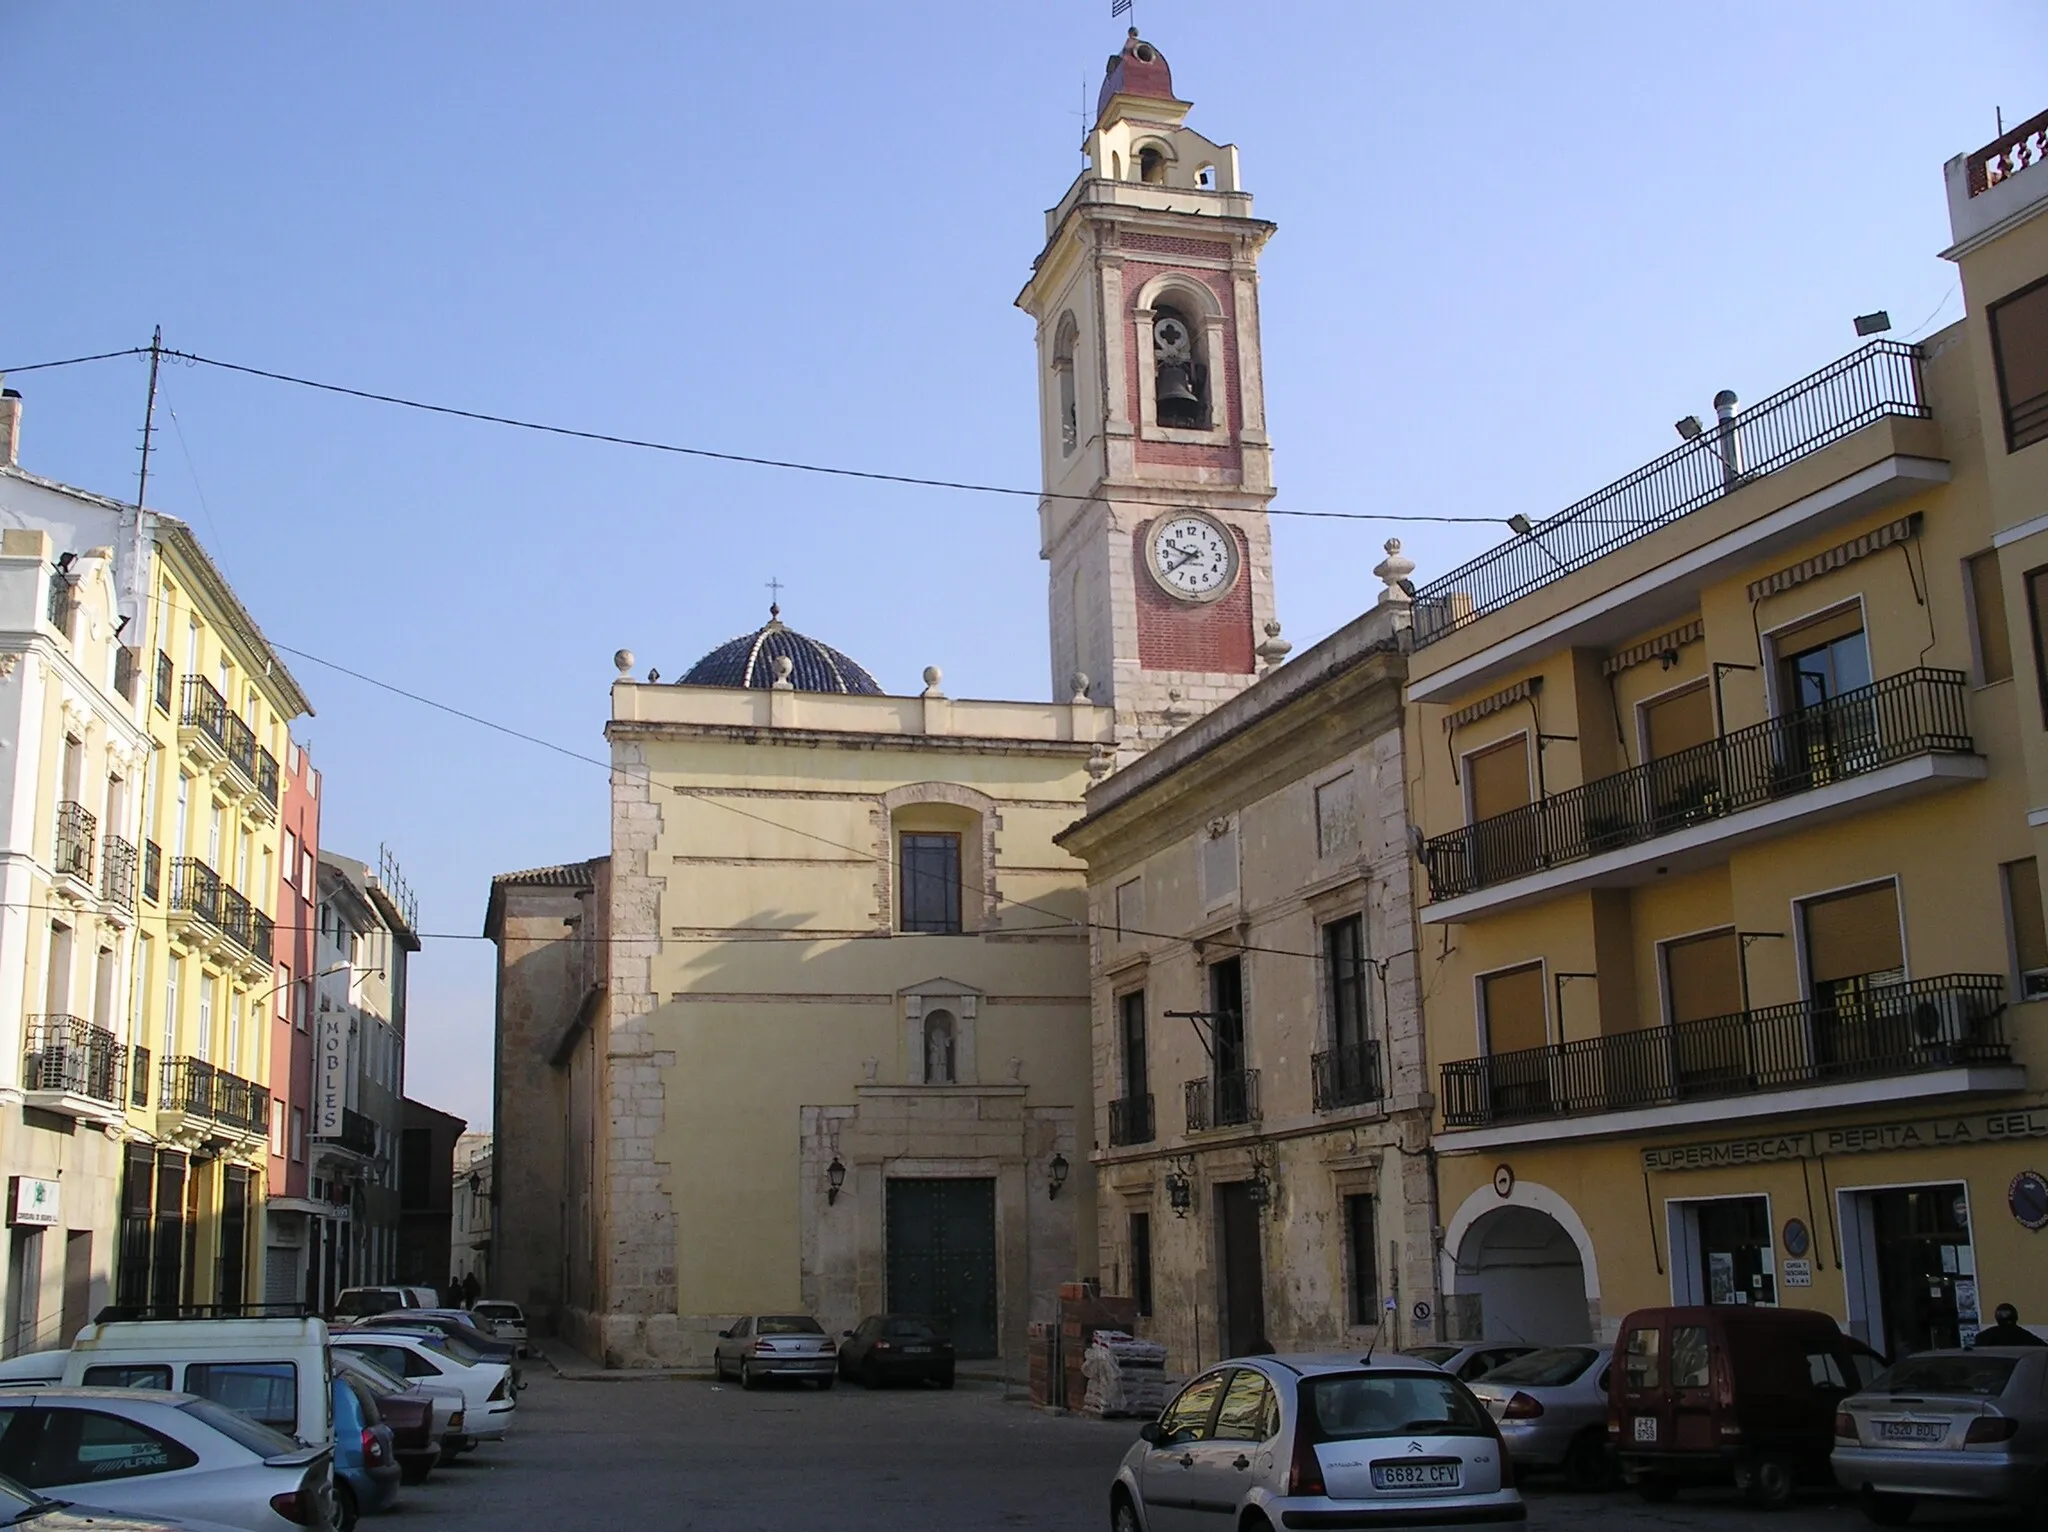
330,1074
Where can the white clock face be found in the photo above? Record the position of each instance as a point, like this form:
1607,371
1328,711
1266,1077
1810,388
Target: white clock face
1193,557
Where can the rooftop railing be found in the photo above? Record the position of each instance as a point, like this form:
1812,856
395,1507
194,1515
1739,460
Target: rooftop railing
1919,712
1882,379
1888,1030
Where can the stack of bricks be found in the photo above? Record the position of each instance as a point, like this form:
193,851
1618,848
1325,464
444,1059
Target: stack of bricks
1044,1349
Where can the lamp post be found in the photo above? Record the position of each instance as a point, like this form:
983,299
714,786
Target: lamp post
1057,1177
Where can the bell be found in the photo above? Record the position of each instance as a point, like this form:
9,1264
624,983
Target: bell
1174,387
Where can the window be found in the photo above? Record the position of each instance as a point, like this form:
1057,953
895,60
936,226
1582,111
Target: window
291,856
1226,1015
205,1040
1336,818
1689,1356
1250,1411
1180,396
138,986
1131,1023
234,1058
183,814
1987,607
1823,658
1187,1418
1344,952
1359,1406
1141,1262
2029,931
1824,1368
931,883
82,1447
1497,778
1702,977
1361,1246
1677,721
1130,908
129,1375
1219,863
1639,1367
2019,352
1852,942
276,1126
415,1166
172,970
1063,374
1512,1010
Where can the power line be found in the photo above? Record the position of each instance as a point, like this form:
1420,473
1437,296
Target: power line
73,361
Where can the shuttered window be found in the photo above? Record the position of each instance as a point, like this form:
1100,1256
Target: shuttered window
1854,935
1499,777
2019,349
1703,977
1513,1003
2029,929
1987,600
1678,722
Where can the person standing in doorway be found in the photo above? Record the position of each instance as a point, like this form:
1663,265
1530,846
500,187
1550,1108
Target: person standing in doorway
471,1290
2008,1331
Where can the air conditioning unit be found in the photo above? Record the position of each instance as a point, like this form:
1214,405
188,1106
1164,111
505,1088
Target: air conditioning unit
1947,1019
2034,984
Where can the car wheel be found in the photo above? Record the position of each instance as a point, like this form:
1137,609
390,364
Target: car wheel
945,1380
1886,1510
1656,1488
412,1471
1771,1482
1123,1516
747,1379
1589,1467
344,1506
869,1378
824,1383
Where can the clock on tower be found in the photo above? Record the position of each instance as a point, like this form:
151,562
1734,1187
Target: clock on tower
1157,471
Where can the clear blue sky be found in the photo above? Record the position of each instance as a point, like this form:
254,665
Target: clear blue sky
1515,243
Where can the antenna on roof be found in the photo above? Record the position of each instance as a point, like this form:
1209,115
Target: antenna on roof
1385,1309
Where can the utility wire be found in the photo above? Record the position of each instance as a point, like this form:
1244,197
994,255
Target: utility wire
73,361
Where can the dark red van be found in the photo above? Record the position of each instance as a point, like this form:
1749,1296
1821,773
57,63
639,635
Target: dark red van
1731,1393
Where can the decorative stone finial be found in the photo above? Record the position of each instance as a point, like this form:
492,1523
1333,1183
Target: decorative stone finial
1080,687
932,676
1101,762
653,675
624,661
1395,570
1275,648
783,666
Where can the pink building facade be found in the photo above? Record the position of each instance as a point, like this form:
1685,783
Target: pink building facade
294,1231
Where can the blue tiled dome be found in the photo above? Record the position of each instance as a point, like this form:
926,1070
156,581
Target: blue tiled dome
750,661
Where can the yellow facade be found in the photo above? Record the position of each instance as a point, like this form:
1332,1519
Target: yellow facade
1728,891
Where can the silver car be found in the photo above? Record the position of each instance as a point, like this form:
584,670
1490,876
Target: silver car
1316,1441
1551,1405
763,1346
1472,1360
1957,1426
506,1319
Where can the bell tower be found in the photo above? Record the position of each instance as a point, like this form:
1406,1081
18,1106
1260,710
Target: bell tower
1152,418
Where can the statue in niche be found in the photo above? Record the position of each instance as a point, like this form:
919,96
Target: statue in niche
938,1048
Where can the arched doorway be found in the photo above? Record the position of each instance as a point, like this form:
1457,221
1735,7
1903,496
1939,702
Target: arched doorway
1520,1277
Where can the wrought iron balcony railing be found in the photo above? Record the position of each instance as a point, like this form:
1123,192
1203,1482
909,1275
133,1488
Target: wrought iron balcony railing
196,891
1889,1030
266,775
1917,713
358,1135
1347,1076
164,677
1222,1101
152,871
1878,381
69,1053
1130,1121
240,743
117,872
75,827
205,710
198,1089
63,602
138,1078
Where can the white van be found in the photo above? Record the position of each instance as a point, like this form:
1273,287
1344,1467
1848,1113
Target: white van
272,1370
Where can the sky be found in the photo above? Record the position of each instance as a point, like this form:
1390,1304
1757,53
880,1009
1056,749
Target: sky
1515,244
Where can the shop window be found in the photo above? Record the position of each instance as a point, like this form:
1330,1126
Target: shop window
1992,638
2029,930
1721,1251
2019,351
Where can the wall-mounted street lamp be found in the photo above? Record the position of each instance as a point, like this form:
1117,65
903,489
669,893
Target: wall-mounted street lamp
1259,1189
1180,1190
835,1177
1058,1176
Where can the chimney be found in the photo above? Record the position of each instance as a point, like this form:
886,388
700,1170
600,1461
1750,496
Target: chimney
1725,406
10,428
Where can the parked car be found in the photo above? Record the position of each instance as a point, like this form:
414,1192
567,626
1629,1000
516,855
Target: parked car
357,1302
763,1346
130,1450
273,1370
1551,1405
445,1402
457,1328
1470,1361
1949,1426
1731,1393
507,1319
896,1348
489,1403
365,1461
1317,1441
21,1506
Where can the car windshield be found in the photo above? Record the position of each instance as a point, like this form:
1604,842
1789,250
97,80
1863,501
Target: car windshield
788,1324
1979,1375
1348,1406
908,1329
1548,1368
18,1502
363,1301
1437,1354
496,1311
240,1429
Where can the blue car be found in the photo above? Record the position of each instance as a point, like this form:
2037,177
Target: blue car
365,1467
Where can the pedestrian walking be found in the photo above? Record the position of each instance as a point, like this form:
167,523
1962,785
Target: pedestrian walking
2008,1331
471,1290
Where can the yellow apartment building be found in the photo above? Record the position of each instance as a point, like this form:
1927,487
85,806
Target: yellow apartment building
1728,784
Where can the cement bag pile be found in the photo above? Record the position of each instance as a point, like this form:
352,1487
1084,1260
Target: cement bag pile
1126,1376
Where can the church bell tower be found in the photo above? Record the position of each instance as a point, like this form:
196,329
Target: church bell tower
1156,467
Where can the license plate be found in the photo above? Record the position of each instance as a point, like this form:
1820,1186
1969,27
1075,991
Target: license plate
1646,1428
1911,1431
1422,1475
917,1351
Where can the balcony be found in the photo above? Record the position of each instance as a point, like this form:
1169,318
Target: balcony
162,691
69,1065
1222,1101
195,900
152,871
1347,1076
117,873
1938,1036
1692,807
358,1135
266,778
195,1089
138,1078
203,721
1130,1121
75,827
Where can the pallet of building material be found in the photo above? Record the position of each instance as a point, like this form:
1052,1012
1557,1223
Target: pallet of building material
1126,1376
